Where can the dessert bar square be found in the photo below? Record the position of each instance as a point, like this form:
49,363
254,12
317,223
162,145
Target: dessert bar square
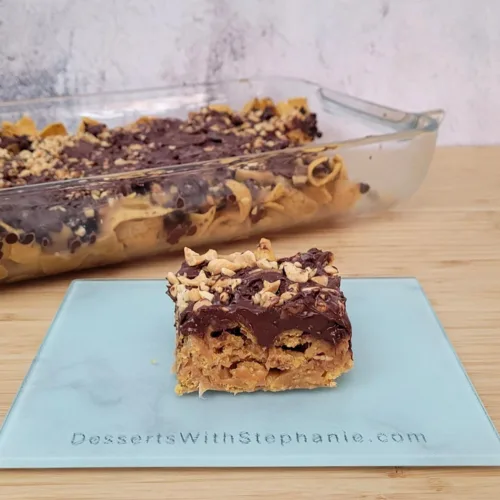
248,321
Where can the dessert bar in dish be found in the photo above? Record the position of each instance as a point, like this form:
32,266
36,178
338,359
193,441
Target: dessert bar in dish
249,321
105,194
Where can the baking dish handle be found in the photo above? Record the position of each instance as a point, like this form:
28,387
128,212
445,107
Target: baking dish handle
399,120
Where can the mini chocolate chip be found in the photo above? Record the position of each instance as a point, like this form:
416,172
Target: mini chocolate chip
303,110
173,219
221,205
72,222
27,239
180,203
141,187
91,225
214,138
24,143
11,238
258,215
74,245
81,150
363,188
237,121
268,113
92,238
235,331
94,129
13,148
124,189
204,209
45,242
177,233
192,231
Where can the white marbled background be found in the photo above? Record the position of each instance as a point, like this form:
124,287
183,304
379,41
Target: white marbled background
413,54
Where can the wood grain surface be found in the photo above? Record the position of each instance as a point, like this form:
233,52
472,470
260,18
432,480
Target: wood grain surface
448,236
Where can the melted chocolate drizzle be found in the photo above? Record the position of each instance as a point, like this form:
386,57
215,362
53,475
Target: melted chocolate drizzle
315,310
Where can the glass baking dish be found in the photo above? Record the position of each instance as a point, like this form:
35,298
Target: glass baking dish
370,157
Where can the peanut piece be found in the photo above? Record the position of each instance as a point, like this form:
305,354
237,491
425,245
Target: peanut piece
209,255
220,108
271,286
194,295
207,295
266,264
265,250
268,299
182,297
322,280
201,278
231,257
227,272
172,278
80,231
201,303
299,180
226,282
215,266
193,259
246,259
295,274
285,296
331,270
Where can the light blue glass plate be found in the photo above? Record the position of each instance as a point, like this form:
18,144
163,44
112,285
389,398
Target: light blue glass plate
100,393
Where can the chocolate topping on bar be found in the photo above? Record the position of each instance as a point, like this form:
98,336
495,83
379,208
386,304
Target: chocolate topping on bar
260,294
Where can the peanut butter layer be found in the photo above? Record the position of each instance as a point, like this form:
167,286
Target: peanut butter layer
236,364
277,308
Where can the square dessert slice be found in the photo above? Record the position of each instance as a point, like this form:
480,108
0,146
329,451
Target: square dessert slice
247,321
